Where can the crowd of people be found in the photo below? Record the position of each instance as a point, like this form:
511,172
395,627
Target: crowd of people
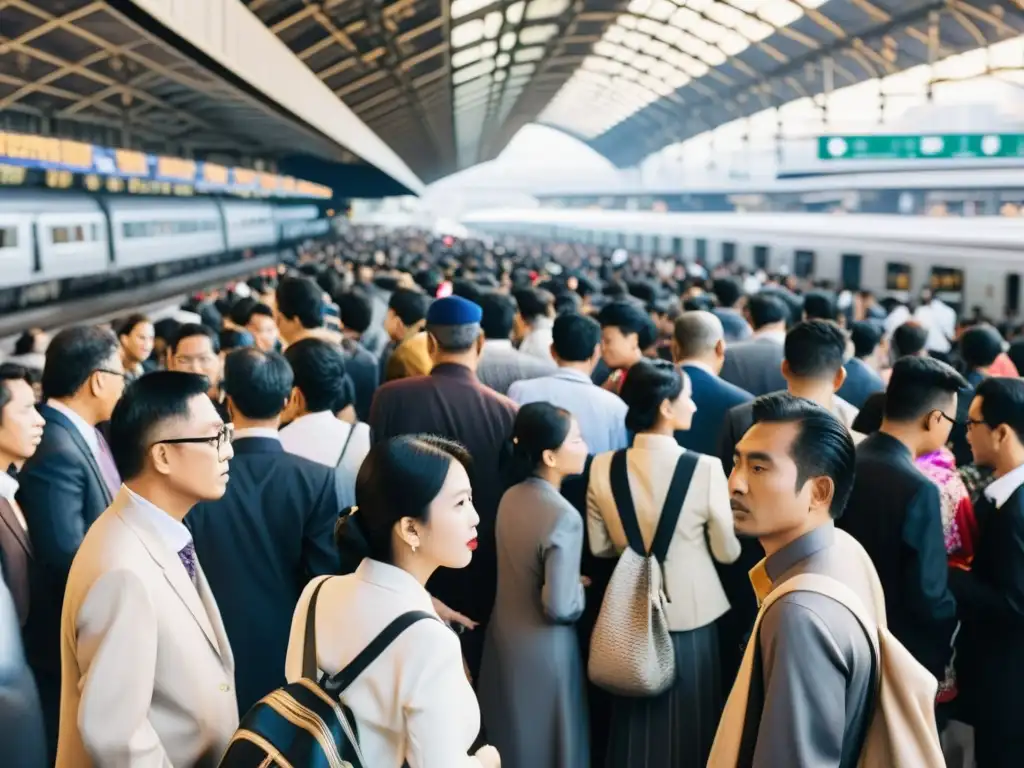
505,440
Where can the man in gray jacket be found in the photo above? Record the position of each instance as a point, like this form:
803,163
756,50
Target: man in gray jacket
21,719
755,364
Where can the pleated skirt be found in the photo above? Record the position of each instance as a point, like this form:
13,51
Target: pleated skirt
677,728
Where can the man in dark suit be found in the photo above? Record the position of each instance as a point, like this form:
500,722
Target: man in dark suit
362,366
990,596
270,533
65,486
862,380
21,431
729,292
895,511
698,345
451,402
21,719
755,365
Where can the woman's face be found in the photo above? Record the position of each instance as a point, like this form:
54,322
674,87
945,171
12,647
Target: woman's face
449,537
571,456
139,343
683,407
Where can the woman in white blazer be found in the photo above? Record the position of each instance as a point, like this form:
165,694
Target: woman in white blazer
683,719
415,514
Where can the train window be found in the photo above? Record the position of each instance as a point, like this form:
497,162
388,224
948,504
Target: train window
948,285
897,276
1012,295
728,253
850,271
761,257
75,234
677,246
131,229
8,237
803,265
702,249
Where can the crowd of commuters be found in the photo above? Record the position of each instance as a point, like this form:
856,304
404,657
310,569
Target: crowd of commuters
484,432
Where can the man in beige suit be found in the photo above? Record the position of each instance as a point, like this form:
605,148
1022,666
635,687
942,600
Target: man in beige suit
148,674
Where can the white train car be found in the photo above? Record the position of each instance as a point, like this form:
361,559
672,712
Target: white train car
148,232
249,224
300,222
974,261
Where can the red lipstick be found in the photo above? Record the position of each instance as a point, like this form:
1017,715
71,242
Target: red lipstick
472,545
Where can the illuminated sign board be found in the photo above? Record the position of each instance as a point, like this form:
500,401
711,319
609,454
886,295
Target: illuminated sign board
125,170
940,146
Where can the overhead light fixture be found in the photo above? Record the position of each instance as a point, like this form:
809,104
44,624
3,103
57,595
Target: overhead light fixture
467,34
538,34
546,9
492,24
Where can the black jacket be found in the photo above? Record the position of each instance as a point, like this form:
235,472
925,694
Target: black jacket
713,398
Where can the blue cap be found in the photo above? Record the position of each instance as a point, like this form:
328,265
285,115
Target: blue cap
454,310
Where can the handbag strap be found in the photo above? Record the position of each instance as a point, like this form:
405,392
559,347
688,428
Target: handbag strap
344,448
309,660
343,679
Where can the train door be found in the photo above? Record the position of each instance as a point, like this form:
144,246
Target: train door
803,264
728,252
677,247
1012,307
702,250
850,271
761,257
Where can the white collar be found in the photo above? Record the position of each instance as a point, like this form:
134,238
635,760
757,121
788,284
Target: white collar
265,432
173,532
498,344
648,442
572,373
87,431
8,486
542,323
771,335
999,491
393,578
698,364
311,420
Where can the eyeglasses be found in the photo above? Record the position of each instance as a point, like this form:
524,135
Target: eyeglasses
974,423
947,417
219,441
122,374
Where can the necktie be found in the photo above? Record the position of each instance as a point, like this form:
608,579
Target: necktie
107,467
188,559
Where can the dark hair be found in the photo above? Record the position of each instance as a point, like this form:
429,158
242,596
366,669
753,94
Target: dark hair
410,306
260,309
398,478
539,427
1002,402
356,310
320,374
148,402
188,330
980,346
257,382
73,356
10,372
166,329
301,298
814,349
700,303
767,309
917,386
231,339
127,325
26,343
823,446
567,302
533,303
727,290
909,339
819,305
648,384
865,337
574,337
242,310
499,315
629,318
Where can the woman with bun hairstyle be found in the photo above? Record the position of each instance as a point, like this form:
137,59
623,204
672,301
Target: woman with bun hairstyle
681,721
532,683
414,704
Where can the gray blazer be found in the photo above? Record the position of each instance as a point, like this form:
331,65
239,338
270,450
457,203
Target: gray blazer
755,365
502,365
21,719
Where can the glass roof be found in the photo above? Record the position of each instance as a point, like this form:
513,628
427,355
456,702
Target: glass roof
656,48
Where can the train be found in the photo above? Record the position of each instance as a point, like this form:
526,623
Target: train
967,262
56,247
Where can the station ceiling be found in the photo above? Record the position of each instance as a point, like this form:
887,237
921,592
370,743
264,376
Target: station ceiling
447,83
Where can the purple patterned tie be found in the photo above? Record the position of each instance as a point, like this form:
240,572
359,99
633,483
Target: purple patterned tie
107,467
188,559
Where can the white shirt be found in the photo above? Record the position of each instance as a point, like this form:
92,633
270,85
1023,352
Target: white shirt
173,532
414,702
999,491
320,437
940,320
538,341
8,489
265,432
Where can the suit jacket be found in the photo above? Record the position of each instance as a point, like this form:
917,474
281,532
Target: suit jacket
260,544
15,559
755,366
713,398
502,365
148,670
861,382
895,513
364,370
21,718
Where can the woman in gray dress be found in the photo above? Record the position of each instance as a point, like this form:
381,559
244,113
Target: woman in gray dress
532,685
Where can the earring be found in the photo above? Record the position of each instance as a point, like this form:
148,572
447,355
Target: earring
414,548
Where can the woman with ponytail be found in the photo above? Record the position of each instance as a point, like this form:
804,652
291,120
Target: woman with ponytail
532,685
413,705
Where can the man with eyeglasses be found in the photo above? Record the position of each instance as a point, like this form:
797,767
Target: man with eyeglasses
148,669
196,349
895,510
66,485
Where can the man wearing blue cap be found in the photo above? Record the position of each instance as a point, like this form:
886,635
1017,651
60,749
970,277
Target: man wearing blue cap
452,402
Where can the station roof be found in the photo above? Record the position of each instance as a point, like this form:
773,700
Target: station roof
447,83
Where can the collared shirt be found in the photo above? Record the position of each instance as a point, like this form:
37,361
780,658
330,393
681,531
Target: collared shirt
8,489
86,430
778,563
321,437
1000,490
173,532
601,414
779,337
268,433
538,341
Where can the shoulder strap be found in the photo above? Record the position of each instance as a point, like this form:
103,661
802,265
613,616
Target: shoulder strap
619,476
377,646
344,448
673,505
309,660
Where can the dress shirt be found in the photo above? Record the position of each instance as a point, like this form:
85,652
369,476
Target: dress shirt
771,334
320,437
538,341
601,414
268,433
8,489
85,429
414,704
939,319
173,532
999,491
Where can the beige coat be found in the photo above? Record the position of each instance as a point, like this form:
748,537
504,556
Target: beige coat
148,674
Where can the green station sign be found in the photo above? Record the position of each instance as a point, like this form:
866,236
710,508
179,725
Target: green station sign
939,146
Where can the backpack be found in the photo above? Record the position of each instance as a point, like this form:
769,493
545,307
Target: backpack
304,724
631,651
901,731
